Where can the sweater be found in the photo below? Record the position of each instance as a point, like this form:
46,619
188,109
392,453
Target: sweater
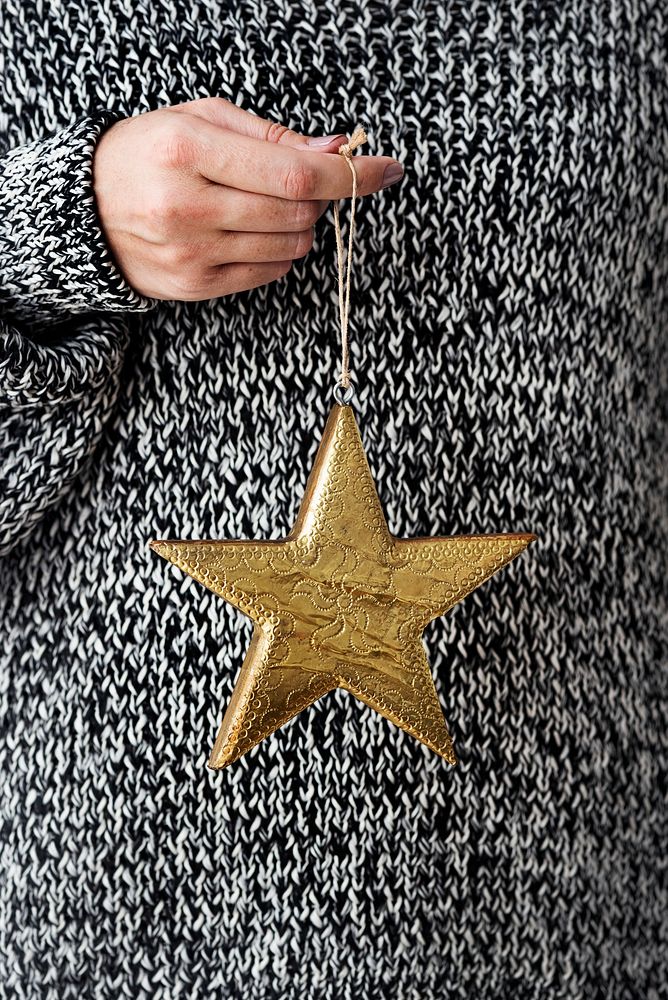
508,329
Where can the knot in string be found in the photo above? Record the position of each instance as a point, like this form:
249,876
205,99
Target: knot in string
358,137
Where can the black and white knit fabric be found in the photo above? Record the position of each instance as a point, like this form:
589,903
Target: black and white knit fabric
509,312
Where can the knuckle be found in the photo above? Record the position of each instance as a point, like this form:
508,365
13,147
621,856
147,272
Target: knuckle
191,284
276,132
164,211
307,213
207,102
176,147
300,182
182,254
195,206
304,242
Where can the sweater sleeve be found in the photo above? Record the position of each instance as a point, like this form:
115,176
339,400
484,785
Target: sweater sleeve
63,322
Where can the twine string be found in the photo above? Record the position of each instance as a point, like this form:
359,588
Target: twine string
358,137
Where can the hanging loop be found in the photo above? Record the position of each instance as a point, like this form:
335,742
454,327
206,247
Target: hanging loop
344,393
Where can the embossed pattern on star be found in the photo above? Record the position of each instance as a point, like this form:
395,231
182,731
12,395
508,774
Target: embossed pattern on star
340,602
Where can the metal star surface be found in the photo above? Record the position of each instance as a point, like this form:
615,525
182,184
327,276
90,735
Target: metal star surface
340,602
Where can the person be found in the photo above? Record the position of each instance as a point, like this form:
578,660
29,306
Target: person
168,348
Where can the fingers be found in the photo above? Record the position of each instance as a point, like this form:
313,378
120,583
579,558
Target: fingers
211,282
194,268
229,278
232,248
224,279
228,208
251,164
249,247
223,113
204,199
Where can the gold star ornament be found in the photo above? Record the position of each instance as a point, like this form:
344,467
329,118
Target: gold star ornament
339,602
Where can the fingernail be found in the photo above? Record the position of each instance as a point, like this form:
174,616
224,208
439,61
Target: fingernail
323,140
393,173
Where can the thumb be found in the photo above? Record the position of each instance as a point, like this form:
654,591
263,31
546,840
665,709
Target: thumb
226,114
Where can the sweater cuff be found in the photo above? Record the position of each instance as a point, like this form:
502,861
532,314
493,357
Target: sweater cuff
54,258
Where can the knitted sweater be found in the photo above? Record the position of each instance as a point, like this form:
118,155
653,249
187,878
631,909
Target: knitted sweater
509,317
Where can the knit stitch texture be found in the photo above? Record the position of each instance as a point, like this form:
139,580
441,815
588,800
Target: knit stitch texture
508,322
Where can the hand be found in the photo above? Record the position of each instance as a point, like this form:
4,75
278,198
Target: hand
204,199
